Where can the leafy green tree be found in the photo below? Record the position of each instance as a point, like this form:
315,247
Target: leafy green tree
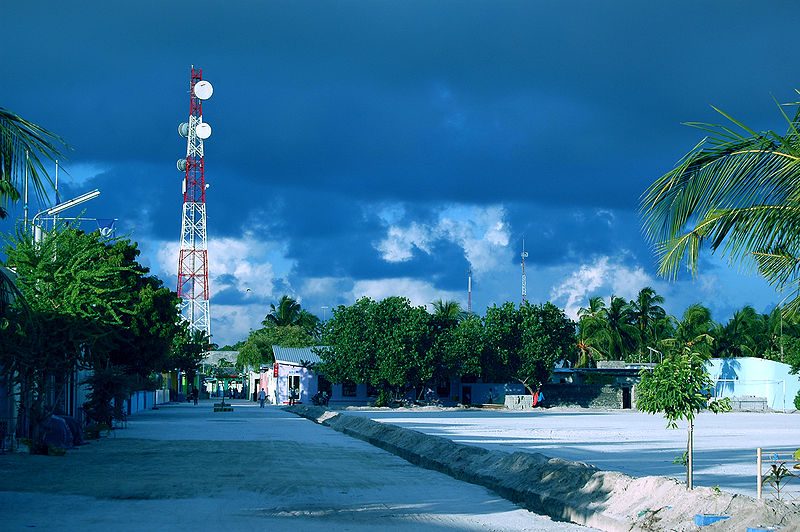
679,387
257,349
23,147
91,306
735,192
456,350
502,342
403,340
74,294
387,344
350,353
547,336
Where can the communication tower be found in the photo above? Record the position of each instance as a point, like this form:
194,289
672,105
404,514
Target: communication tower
524,279
193,258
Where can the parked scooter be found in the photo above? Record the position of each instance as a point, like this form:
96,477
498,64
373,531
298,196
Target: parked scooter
320,399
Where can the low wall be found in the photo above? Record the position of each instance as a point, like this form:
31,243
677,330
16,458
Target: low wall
519,402
605,397
564,490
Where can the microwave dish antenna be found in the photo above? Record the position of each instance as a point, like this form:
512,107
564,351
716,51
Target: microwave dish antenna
203,90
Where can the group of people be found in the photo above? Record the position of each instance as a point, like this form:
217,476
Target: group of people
320,398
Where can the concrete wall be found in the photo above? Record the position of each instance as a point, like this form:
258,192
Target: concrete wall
755,377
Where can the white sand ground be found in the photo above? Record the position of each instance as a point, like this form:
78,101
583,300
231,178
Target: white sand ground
627,441
185,468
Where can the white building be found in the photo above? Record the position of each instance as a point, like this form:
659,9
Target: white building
293,369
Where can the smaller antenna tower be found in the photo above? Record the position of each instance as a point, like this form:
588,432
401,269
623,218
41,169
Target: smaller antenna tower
469,291
524,279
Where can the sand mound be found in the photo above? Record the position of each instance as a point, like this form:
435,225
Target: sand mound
565,490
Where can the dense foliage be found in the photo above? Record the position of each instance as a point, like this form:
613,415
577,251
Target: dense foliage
86,303
396,347
640,331
286,325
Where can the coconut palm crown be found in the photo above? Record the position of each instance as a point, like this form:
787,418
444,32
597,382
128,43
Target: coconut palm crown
737,192
23,146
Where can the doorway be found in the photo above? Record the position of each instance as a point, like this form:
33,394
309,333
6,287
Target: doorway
626,398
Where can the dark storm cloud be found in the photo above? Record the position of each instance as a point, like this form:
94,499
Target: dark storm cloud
325,111
558,235
471,102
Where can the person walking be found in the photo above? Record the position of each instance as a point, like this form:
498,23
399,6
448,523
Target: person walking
262,396
195,395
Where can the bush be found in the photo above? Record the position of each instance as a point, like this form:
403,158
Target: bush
384,399
797,400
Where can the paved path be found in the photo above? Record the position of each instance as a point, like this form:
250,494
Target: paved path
185,468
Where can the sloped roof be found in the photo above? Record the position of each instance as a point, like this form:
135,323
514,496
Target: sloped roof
295,355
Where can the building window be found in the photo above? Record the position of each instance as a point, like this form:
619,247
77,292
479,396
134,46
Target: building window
294,382
349,389
323,385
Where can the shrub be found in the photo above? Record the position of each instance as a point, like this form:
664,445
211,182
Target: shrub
797,400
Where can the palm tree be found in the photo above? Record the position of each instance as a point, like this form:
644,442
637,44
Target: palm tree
737,191
23,145
592,333
622,332
288,312
448,311
648,316
742,335
696,328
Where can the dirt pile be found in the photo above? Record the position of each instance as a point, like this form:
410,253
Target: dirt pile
565,490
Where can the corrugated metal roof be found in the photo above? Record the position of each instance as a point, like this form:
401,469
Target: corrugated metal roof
295,355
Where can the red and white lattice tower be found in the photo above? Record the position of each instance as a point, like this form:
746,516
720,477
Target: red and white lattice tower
193,258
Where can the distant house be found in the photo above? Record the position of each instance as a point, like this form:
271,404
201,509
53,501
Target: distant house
230,377
294,368
754,383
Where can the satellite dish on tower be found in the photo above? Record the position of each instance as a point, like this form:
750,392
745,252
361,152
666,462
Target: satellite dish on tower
181,165
203,90
203,130
183,129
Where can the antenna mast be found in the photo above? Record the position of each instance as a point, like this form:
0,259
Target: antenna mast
193,259
524,279
469,291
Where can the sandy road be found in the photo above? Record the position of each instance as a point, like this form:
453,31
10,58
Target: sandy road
183,467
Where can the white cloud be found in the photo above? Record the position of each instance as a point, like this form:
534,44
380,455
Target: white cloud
251,262
231,323
418,292
482,232
399,244
603,275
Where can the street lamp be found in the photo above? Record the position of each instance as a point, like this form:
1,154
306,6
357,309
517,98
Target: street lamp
52,211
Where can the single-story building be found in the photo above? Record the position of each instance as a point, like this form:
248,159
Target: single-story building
753,382
293,369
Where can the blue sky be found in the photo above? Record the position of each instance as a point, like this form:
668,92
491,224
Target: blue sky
382,148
